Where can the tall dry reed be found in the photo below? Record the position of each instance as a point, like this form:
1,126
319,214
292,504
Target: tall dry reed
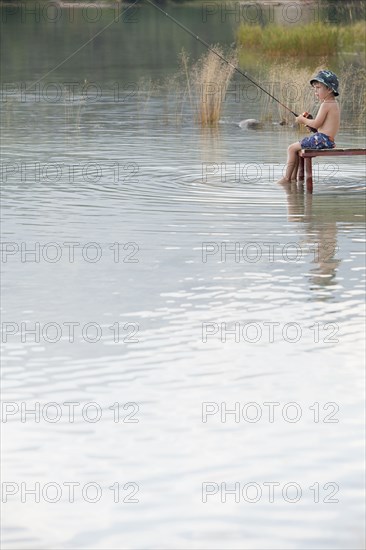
290,85
207,82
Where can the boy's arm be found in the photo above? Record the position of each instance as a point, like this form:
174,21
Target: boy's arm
318,121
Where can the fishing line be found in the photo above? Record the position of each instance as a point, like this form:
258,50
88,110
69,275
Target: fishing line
218,55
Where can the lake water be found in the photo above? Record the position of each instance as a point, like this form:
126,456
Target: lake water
188,333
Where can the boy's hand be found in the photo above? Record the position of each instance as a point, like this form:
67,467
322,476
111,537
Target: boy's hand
301,119
304,118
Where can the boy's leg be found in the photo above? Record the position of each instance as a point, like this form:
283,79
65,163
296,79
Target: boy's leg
294,149
292,163
295,168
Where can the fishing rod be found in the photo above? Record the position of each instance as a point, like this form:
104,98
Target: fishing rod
225,60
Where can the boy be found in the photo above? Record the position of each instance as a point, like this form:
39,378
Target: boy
327,121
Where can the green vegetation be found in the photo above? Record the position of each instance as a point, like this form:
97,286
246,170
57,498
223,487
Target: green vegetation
314,39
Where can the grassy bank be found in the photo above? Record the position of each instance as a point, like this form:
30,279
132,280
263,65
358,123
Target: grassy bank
314,39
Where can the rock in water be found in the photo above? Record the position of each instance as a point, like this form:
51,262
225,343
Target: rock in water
250,123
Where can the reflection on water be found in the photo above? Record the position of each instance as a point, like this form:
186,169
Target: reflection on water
242,292
321,229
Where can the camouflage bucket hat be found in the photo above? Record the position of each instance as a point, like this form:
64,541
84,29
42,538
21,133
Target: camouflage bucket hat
327,78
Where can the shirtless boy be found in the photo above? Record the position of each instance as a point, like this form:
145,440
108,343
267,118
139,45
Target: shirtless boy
327,121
